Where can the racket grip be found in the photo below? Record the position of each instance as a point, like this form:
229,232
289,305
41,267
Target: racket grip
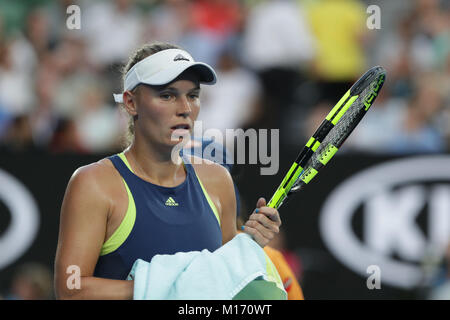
278,202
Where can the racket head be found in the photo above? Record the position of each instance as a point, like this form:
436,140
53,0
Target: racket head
367,89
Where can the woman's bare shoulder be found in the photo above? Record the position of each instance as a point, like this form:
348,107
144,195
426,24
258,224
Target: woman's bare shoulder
98,177
209,170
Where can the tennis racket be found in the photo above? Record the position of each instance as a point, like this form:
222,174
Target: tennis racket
331,134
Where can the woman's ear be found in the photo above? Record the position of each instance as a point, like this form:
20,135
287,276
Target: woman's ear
129,101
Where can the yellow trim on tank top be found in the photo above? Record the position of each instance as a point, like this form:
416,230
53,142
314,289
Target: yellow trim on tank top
211,203
125,160
123,231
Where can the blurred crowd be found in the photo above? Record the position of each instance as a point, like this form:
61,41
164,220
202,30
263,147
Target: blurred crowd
30,281
280,64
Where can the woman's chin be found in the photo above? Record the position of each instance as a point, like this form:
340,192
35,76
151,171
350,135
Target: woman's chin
180,135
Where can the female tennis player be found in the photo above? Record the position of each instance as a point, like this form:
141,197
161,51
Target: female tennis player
141,202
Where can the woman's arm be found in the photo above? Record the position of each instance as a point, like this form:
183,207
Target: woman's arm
84,216
262,224
227,198
219,185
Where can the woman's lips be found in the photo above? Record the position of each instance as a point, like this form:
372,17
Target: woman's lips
181,129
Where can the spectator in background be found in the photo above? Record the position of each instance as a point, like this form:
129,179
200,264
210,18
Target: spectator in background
431,34
57,14
24,97
277,44
394,52
420,43
168,21
404,127
32,281
2,28
236,102
72,66
18,135
277,36
188,24
221,17
339,27
112,29
43,117
416,133
423,35
213,23
38,31
66,138
445,80
99,125
24,53
16,94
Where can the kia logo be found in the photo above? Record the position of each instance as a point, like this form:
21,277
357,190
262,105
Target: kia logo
24,224
390,196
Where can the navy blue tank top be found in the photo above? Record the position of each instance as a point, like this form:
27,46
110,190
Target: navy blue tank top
166,220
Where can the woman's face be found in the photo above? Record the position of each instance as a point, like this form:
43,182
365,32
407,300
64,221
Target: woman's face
167,113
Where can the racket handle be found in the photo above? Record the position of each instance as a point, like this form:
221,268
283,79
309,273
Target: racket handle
276,203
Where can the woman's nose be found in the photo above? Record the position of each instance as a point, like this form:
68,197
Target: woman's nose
184,106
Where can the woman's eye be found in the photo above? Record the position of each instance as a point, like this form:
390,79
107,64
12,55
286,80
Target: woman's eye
165,96
194,96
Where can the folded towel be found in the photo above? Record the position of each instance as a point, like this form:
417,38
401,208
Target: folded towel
240,269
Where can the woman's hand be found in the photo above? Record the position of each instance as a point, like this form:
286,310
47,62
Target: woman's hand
263,224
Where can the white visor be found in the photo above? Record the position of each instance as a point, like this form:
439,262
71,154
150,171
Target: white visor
163,67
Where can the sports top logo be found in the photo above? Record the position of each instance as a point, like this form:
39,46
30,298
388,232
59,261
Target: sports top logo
171,203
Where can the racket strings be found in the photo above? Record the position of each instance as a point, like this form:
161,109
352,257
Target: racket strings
336,137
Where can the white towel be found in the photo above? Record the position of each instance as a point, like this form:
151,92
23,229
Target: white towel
203,275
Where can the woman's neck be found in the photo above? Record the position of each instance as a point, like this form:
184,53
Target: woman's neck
155,166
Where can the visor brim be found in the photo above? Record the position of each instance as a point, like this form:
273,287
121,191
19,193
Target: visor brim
206,75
